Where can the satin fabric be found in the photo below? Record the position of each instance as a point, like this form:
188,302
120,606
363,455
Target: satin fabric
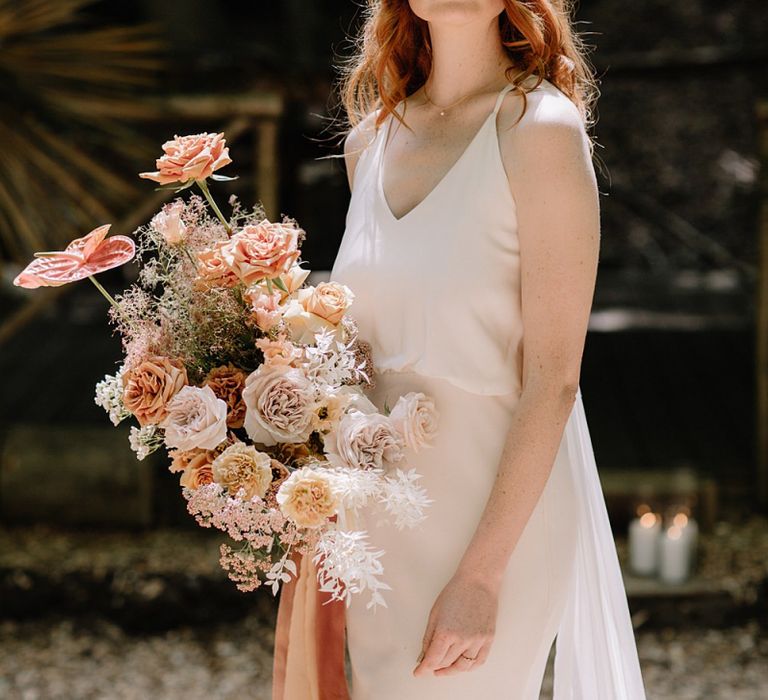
309,651
447,317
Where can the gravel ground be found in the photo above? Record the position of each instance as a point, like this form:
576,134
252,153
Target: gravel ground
86,657
48,660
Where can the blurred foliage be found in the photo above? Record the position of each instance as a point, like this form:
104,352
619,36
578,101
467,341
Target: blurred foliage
68,88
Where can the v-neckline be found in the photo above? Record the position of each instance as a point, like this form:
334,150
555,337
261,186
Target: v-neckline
380,160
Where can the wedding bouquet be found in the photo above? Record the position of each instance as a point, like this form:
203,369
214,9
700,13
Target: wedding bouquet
253,381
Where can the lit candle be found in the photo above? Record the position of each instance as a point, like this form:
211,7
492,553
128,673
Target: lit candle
690,530
644,543
675,558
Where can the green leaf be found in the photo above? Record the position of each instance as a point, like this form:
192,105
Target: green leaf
269,285
174,187
279,284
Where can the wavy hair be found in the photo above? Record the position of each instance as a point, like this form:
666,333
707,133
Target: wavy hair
393,56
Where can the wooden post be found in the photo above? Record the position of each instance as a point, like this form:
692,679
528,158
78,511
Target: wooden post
267,173
761,322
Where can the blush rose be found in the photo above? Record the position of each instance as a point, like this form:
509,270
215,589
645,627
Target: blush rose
364,441
279,403
196,418
415,417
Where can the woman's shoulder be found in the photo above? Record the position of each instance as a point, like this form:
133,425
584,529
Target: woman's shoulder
358,139
550,131
546,106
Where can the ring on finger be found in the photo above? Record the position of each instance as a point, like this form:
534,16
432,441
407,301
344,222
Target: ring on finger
468,658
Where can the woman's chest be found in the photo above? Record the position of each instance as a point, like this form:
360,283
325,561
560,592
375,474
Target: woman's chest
462,247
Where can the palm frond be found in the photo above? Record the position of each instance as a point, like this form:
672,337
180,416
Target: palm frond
70,91
31,16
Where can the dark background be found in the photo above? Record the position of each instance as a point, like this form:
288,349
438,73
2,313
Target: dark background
108,589
669,364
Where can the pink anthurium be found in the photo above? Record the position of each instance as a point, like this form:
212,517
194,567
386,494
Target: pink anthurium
82,258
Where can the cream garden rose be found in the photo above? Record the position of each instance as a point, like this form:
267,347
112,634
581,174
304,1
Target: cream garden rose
316,308
415,417
364,441
307,497
280,401
243,466
328,300
292,281
197,418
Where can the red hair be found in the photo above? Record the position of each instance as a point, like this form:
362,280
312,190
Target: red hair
394,56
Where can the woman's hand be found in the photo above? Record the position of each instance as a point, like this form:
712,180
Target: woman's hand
461,624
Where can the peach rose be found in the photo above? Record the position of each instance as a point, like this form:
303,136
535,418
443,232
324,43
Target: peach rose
279,403
280,351
364,441
181,460
199,472
328,300
415,417
262,251
243,466
149,387
193,157
196,418
292,281
228,383
169,224
307,498
266,307
213,268
303,325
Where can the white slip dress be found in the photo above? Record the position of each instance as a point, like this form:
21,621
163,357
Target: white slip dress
437,294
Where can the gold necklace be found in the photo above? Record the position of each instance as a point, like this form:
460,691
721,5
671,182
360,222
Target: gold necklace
443,109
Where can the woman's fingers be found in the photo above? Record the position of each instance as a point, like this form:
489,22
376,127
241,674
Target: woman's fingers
428,632
482,654
434,654
466,659
450,655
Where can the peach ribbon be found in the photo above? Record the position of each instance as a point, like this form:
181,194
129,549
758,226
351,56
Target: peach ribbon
309,641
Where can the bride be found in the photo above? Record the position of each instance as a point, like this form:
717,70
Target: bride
472,244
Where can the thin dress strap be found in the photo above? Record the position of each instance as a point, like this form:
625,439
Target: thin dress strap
502,92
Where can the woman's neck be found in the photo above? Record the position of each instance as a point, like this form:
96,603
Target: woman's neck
465,59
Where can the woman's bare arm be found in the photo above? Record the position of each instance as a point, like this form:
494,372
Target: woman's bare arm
554,185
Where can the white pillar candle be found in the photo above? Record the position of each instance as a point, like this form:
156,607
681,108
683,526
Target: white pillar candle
644,543
675,556
690,530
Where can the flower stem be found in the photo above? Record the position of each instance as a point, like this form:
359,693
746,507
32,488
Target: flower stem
203,184
108,297
190,256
